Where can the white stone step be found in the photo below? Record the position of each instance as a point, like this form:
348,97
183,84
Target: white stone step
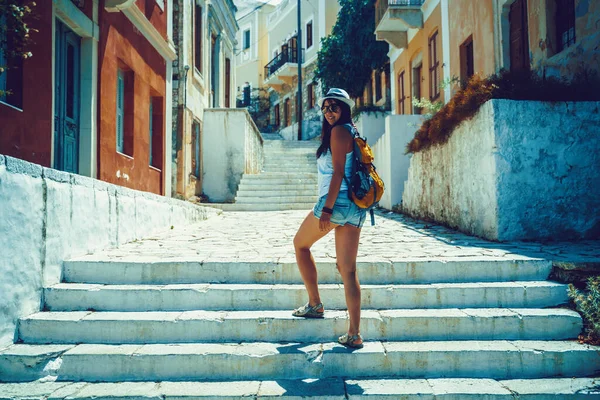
276,192
292,159
290,168
290,152
277,199
279,182
246,297
95,269
283,187
281,175
322,389
280,326
265,206
275,361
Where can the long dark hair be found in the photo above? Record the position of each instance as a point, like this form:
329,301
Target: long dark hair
345,118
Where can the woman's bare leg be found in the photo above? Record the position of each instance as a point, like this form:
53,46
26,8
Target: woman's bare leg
346,248
307,235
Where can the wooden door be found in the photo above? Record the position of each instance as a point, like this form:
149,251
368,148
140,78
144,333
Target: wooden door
519,36
227,82
67,99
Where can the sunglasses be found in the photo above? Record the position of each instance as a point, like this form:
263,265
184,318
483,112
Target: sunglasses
333,108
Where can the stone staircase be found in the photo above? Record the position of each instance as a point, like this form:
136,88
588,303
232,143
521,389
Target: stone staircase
288,180
167,329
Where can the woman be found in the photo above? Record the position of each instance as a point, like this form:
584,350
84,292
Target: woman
334,210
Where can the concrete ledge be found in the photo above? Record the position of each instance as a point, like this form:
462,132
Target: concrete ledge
49,216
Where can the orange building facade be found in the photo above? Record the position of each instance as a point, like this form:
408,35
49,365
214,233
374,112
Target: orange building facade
436,41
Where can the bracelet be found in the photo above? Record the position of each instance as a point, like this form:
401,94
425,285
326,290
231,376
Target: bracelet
327,210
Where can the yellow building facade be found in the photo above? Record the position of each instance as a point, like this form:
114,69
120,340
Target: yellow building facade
432,41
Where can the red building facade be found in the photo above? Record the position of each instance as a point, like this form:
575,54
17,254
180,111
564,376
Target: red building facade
94,94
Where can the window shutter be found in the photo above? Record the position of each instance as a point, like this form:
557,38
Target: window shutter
120,95
150,132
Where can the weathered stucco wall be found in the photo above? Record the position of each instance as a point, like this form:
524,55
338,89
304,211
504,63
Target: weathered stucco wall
231,146
371,125
47,216
516,171
455,183
469,18
547,158
391,162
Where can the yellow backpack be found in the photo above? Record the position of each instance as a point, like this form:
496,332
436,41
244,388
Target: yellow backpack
365,187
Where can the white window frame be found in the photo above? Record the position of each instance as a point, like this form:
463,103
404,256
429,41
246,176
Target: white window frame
249,39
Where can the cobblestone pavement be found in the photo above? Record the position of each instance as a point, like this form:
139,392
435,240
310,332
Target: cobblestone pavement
267,236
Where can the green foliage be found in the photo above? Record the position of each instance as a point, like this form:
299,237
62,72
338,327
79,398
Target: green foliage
434,107
368,109
521,85
349,55
259,108
14,31
588,304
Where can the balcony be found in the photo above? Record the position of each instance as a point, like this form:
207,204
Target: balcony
282,68
393,19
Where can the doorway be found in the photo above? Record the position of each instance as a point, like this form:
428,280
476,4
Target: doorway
67,99
519,36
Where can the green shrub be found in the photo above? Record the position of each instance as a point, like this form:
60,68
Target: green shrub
585,86
588,304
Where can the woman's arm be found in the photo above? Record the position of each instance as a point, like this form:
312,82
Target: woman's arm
341,143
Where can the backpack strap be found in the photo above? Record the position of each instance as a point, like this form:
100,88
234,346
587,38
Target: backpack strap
353,131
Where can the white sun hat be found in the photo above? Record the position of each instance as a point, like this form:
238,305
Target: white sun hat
340,95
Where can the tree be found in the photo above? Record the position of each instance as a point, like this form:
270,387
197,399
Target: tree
14,32
350,53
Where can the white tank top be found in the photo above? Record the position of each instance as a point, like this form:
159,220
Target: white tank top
325,172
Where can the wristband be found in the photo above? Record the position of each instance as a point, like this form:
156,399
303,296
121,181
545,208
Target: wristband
327,210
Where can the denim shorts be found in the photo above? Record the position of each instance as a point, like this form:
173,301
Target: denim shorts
344,211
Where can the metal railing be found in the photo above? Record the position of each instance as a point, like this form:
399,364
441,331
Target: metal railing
288,55
381,7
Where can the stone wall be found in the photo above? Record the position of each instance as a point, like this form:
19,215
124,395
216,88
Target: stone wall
47,216
391,162
231,146
518,170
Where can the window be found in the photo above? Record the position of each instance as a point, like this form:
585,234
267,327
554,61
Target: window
416,86
434,68
196,154
309,35
402,94
156,132
198,38
565,24
287,110
377,86
277,116
124,115
227,83
246,39
246,94
311,95
467,68
11,80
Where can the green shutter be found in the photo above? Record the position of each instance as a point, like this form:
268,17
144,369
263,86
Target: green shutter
120,109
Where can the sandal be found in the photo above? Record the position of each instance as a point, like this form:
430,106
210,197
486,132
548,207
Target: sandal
308,311
348,341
